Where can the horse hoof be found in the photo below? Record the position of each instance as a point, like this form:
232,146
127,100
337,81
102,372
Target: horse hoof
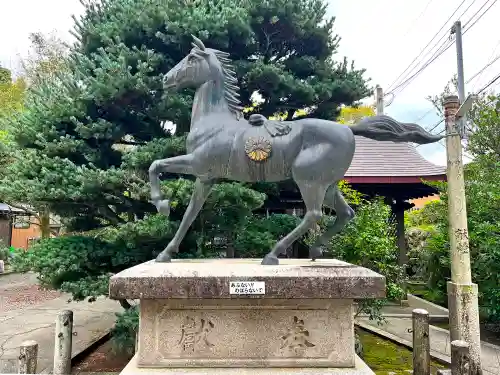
163,207
164,257
270,260
315,252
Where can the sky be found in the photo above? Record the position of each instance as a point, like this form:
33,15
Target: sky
382,36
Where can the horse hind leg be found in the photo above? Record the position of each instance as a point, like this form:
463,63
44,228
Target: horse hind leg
313,194
344,214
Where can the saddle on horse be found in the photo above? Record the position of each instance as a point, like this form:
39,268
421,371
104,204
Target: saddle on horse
274,128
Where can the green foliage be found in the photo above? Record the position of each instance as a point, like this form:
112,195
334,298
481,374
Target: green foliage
352,196
261,234
485,141
5,253
125,331
82,265
64,262
11,95
386,358
426,217
366,241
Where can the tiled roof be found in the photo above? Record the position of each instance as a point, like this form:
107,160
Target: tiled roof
6,208
391,159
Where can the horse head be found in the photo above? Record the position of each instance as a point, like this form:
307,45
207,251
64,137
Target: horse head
199,66
204,65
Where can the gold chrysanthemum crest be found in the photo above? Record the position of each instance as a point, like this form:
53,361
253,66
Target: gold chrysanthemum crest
258,149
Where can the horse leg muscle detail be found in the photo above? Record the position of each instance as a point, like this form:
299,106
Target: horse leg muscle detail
201,191
313,195
344,214
178,164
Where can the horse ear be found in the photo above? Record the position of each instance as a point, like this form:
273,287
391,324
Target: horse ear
198,43
197,51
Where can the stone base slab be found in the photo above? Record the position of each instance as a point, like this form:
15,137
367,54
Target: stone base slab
360,368
246,333
210,279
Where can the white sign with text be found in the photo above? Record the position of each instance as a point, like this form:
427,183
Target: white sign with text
247,287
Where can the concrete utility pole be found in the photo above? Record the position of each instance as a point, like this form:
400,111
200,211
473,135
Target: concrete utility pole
462,293
457,30
379,100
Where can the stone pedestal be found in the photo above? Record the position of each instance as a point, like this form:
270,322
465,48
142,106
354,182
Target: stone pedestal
237,316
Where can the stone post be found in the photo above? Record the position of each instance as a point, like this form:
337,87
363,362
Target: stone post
28,354
421,346
63,343
460,358
462,293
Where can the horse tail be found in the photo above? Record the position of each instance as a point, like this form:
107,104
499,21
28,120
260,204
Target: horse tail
385,128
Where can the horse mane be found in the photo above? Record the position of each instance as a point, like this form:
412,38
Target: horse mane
231,89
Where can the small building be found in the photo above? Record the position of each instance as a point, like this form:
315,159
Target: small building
7,214
419,203
19,228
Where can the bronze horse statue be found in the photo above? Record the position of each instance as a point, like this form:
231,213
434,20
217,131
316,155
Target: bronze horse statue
315,153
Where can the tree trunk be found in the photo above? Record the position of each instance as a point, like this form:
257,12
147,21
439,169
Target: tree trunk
45,223
230,252
125,304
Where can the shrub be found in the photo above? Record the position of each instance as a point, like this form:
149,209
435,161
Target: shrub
261,234
5,253
367,241
68,263
125,330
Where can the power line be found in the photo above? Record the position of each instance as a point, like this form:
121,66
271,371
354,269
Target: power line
482,14
431,49
436,125
416,19
422,51
489,84
483,69
439,52
425,114
442,49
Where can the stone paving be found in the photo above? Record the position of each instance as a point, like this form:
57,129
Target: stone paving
28,313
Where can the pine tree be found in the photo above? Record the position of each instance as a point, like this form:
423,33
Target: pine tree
88,135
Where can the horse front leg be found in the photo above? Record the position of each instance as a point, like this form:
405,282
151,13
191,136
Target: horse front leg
179,164
201,191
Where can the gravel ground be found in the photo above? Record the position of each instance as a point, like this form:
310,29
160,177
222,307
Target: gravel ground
19,291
